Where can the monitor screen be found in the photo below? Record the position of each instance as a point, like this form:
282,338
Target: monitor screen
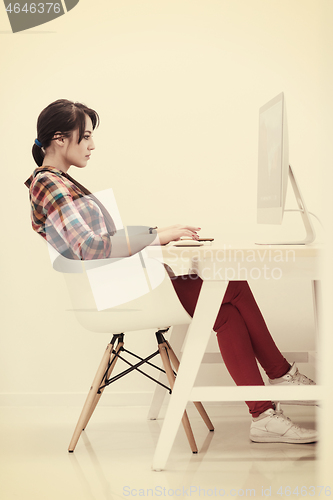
273,162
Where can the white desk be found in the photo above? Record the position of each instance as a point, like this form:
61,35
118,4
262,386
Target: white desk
217,265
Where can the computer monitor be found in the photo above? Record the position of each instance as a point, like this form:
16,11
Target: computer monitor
274,169
273,161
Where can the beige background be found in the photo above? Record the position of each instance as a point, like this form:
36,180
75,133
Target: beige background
178,85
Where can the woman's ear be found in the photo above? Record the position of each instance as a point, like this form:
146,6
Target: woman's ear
58,138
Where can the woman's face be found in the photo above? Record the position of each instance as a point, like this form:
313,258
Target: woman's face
79,154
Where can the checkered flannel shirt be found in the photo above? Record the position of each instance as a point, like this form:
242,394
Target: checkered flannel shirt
66,218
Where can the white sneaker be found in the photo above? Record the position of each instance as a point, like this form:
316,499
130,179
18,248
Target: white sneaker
293,377
272,426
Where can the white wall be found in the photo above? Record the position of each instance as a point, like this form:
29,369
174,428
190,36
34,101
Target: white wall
178,85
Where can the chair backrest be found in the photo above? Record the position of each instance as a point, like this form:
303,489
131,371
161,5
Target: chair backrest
118,295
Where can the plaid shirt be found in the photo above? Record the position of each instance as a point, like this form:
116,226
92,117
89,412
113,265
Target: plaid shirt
66,218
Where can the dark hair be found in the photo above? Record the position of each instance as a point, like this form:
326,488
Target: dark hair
61,116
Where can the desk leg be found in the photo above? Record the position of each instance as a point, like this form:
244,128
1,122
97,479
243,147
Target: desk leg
316,295
178,334
208,305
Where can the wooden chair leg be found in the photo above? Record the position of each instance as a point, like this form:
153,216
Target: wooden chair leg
113,361
91,397
163,349
199,406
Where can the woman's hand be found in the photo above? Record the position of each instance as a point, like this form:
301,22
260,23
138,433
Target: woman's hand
174,233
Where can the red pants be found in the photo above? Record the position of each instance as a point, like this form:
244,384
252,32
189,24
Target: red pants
242,335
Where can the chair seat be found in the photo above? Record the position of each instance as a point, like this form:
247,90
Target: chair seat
91,283
157,309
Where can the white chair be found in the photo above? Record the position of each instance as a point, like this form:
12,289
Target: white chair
94,285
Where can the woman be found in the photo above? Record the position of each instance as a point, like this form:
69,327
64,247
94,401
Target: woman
78,226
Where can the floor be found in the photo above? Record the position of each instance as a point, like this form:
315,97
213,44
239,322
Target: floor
114,455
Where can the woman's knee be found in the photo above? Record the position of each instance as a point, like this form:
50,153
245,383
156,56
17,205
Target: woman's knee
228,316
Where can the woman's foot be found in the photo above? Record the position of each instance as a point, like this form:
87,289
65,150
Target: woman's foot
293,377
272,426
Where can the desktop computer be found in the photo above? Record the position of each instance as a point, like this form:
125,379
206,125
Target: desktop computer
274,170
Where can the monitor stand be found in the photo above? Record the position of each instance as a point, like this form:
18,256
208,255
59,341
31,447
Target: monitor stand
310,232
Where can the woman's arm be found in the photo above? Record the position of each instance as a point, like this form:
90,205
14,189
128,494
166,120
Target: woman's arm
174,233
65,227
133,239
130,240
